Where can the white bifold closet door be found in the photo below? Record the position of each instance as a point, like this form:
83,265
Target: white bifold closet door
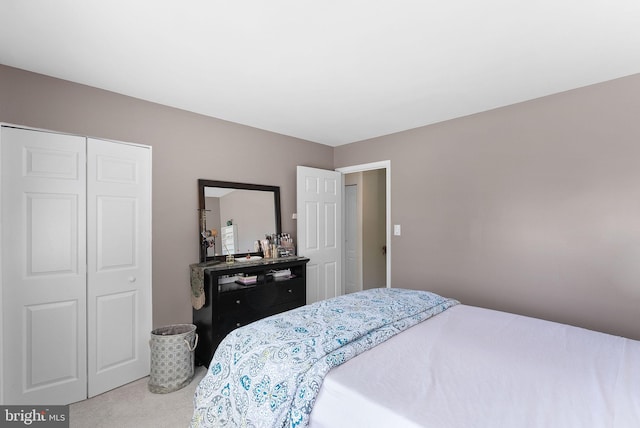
44,335
119,264
76,274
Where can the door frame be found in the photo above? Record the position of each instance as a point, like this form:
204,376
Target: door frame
358,235
386,165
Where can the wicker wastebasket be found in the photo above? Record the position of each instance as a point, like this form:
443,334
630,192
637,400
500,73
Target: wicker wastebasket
172,357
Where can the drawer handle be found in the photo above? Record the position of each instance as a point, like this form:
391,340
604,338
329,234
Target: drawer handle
237,302
238,324
290,290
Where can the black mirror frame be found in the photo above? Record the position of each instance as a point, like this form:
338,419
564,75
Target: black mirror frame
202,183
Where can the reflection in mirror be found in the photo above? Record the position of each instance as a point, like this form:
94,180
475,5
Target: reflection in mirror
233,216
240,217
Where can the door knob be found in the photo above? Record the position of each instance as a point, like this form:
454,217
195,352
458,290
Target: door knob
132,279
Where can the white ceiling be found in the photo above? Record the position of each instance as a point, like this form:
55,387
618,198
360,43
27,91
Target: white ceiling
332,71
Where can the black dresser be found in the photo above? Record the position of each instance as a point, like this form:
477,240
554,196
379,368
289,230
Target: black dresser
280,285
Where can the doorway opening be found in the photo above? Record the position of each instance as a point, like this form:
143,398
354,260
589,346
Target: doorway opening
366,226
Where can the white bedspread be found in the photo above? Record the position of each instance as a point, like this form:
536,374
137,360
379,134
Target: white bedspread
473,367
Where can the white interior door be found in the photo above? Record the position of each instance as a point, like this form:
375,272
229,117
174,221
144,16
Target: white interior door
43,268
119,263
319,206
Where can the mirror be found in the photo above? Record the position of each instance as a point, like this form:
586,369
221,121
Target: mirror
235,215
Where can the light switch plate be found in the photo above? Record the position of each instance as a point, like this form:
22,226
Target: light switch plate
396,229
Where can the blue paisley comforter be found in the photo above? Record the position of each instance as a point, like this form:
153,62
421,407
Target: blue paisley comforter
268,373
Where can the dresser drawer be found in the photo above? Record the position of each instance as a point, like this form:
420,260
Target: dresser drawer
292,290
236,302
229,322
240,308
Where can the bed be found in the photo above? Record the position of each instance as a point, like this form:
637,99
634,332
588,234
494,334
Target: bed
408,358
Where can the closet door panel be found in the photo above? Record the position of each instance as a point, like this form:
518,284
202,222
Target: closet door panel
116,340
119,267
43,267
116,245
51,364
52,218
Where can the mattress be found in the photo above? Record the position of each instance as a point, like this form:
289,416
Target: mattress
474,367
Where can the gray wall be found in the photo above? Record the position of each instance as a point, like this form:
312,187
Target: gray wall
533,208
184,145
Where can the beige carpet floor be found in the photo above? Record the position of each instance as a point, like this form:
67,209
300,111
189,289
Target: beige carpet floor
132,405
